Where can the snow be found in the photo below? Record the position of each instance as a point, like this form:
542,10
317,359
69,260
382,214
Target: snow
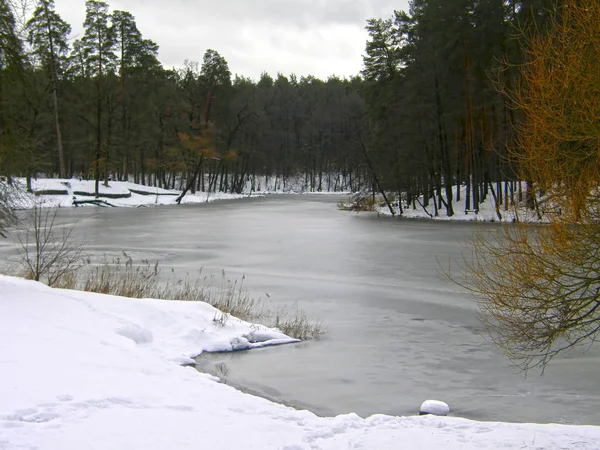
88,371
62,192
128,194
487,210
434,407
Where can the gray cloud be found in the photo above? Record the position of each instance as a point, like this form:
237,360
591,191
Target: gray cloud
319,37
302,13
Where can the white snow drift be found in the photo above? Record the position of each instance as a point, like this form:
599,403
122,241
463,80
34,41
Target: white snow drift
88,371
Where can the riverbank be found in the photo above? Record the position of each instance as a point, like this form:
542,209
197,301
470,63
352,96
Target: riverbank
74,192
84,370
488,210
65,193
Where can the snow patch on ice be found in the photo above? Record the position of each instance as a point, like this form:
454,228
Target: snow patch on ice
262,336
434,407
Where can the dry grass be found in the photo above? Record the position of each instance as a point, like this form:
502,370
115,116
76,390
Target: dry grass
123,278
298,326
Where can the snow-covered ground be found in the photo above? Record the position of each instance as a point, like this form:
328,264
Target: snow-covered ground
88,371
487,210
65,192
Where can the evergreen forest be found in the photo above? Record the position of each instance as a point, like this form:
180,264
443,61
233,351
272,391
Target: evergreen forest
426,114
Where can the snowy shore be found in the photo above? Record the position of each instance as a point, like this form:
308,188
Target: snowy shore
487,211
74,192
70,192
88,371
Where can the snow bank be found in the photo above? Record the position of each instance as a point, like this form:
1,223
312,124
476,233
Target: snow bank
65,192
487,211
87,371
62,192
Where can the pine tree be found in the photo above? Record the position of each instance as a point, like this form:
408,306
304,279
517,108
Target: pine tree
48,35
97,47
135,55
382,60
11,69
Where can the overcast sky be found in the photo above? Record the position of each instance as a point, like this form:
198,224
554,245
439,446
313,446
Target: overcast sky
318,37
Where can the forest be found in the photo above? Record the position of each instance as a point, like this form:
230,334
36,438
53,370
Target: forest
426,114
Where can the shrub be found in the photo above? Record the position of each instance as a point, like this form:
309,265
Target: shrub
46,254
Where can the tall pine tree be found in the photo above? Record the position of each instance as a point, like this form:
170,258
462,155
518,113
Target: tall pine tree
48,36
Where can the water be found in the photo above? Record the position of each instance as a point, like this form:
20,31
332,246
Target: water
398,333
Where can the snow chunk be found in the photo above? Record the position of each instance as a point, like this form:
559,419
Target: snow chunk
434,407
247,341
239,343
261,336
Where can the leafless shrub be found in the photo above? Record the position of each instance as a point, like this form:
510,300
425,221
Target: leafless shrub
537,288
46,253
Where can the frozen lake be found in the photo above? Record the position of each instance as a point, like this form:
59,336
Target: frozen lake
398,333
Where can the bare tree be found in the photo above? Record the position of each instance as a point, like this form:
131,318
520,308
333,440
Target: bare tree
538,288
47,253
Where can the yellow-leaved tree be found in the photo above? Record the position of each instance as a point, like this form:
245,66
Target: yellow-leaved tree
194,150
538,287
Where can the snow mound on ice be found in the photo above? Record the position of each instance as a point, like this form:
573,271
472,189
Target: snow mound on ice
435,407
262,336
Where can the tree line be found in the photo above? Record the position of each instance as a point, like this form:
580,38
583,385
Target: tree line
422,117
104,107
